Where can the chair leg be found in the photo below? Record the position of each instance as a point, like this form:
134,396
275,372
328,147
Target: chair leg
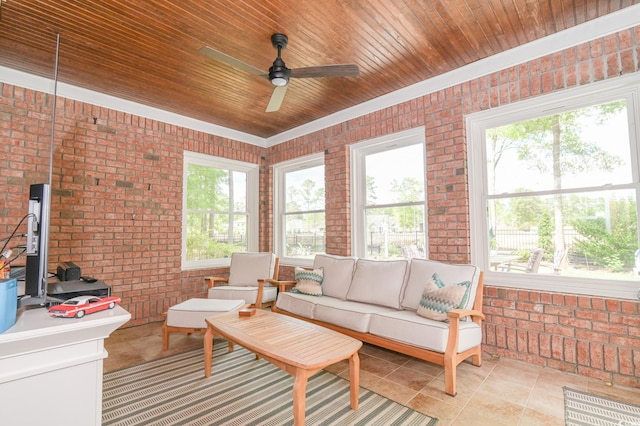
165,336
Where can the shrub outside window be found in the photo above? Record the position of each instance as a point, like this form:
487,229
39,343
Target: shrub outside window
554,187
219,208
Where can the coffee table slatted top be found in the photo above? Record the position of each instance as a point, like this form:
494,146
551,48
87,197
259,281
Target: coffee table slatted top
286,339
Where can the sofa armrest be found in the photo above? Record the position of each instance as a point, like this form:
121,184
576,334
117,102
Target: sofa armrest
476,316
282,285
213,281
454,329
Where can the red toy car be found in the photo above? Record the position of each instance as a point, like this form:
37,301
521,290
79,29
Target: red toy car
80,306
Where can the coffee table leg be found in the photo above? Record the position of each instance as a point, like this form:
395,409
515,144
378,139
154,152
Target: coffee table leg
299,397
354,379
208,352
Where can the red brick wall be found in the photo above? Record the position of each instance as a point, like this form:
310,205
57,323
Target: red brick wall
121,166
592,336
116,193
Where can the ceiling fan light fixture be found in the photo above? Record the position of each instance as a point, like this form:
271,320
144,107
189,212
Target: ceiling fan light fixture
279,73
279,81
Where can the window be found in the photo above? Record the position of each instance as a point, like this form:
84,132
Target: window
388,196
299,209
220,204
554,187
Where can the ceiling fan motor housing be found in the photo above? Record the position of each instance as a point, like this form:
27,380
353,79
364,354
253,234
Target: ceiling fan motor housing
279,73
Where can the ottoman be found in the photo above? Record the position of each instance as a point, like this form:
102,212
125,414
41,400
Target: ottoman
188,316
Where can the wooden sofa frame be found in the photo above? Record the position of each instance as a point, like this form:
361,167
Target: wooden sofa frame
449,359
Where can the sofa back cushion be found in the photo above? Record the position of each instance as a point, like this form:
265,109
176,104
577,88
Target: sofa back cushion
378,282
337,271
247,268
421,272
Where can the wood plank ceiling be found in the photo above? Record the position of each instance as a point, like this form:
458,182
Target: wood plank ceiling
147,51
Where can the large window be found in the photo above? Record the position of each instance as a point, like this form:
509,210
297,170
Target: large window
554,187
220,210
388,196
299,209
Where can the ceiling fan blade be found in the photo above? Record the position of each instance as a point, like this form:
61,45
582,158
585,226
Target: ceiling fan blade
222,57
341,70
276,98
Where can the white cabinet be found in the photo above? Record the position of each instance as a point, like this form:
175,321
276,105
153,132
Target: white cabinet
51,368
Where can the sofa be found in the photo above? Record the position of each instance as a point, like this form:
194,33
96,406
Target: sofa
422,308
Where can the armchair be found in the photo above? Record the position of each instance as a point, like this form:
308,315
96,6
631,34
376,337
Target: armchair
249,279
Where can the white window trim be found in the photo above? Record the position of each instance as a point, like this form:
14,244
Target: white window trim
358,153
627,87
279,199
253,183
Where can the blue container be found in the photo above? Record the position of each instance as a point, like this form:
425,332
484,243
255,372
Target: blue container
8,303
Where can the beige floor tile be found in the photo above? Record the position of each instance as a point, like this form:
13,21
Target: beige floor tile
376,365
443,411
500,392
394,391
484,410
435,390
410,378
532,417
499,388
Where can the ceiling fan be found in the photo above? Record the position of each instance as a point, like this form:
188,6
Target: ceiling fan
279,74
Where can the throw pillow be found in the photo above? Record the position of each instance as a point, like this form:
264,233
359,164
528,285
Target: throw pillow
308,282
439,298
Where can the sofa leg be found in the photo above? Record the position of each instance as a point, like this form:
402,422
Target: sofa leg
449,376
476,359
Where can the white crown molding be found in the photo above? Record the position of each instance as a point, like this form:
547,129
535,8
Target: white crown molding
608,24
46,85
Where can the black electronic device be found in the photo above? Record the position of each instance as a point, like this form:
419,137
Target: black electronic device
68,271
36,272
63,290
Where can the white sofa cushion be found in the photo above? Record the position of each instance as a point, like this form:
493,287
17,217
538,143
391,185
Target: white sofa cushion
407,327
247,268
421,271
248,294
338,271
344,313
378,282
298,304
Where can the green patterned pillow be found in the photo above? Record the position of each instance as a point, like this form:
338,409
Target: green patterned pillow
308,282
439,298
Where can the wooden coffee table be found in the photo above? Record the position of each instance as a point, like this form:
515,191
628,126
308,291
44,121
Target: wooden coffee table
297,347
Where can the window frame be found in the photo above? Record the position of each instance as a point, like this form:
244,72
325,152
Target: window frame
280,171
566,100
253,175
358,153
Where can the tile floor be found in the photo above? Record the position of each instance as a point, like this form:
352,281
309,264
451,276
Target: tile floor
501,392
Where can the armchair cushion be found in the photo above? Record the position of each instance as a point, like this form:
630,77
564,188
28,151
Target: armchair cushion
247,268
439,298
308,282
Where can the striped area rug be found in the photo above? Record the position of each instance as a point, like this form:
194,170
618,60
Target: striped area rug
240,391
582,409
